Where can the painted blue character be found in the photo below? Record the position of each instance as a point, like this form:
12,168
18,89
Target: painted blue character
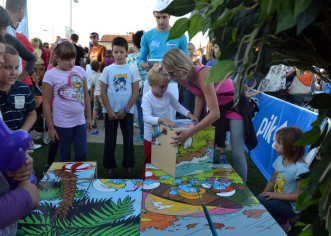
195,181
177,181
173,191
119,83
187,188
165,176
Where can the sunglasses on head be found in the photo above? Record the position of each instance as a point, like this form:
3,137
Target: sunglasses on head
93,37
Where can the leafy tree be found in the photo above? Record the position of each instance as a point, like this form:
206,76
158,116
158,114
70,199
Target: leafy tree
252,36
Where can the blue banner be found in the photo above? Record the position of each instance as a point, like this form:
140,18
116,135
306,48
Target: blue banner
273,115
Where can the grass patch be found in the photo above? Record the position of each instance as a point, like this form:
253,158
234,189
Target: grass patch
255,180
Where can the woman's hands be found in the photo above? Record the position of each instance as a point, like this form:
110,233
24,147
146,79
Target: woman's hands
182,136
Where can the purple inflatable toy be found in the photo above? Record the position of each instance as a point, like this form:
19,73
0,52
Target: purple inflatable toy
13,145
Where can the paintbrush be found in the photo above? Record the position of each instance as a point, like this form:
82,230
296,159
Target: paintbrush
210,222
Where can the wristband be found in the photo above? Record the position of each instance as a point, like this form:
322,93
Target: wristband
126,110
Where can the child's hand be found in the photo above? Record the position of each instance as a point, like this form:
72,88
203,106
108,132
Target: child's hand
89,124
53,135
25,171
121,114
270,195
167,122
192,117
112,115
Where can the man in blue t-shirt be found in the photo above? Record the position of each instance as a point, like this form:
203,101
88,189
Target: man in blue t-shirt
154,45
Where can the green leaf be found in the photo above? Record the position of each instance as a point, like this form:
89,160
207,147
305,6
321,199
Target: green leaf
307,231
205,24
317,123
221,71
200,4
309,137
300,6
285,16
268,7
179,28
304,200
306,17
180,7
195,26
216,3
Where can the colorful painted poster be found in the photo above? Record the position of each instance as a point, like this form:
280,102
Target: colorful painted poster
86,207
172,205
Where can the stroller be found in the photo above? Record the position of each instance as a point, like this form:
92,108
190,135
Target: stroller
40,124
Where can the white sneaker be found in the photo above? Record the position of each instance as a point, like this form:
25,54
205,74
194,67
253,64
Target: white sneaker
36,146
135,125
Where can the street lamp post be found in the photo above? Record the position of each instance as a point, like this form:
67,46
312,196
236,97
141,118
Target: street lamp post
76,1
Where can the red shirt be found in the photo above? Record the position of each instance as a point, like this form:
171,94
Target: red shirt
44,56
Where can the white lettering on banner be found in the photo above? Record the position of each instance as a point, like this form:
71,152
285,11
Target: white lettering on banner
267,128
274,136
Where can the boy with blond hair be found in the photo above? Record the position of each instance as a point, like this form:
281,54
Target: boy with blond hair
156,105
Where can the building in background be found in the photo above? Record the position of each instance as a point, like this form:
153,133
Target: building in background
107,39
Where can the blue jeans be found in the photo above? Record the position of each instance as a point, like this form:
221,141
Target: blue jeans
76,135
111,127
281,211
140,113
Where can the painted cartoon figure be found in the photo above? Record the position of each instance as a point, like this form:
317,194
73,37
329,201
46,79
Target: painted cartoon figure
77,87
222,187
279,183
188,191
157,134
119,83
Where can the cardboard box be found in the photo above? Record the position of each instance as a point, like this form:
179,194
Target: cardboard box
195,156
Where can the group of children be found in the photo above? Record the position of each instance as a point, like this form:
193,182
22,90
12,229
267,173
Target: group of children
66,105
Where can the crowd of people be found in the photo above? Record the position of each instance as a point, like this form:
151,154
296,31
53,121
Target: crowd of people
164,80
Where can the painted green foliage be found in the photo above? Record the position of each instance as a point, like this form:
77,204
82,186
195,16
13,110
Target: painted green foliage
199,140
85,213
89,218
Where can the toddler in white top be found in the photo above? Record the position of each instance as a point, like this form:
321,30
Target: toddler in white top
156,105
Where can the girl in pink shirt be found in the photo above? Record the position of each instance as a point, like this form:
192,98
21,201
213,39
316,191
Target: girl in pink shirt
66,121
